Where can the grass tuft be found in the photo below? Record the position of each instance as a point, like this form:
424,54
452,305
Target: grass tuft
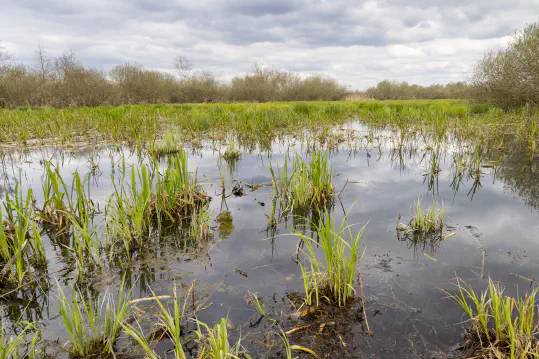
501,326
331,274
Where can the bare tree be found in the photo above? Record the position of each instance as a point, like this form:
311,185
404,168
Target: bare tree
6,59
183,66
43,63
67,63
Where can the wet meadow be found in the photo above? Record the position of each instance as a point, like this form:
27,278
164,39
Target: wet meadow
375,229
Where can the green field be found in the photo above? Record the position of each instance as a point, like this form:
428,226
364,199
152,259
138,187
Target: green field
260,122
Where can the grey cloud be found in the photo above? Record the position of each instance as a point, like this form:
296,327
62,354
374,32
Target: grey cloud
356,41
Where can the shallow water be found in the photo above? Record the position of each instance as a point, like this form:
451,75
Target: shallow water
495,228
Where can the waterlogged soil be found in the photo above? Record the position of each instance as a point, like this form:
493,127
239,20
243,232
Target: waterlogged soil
495,228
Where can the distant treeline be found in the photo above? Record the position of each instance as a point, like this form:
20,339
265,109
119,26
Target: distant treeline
66,82
508,78
392,90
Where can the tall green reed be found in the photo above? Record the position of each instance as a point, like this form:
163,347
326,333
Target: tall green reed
501,326
93,324
330,275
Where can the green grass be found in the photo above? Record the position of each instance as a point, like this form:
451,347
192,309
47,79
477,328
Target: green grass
261,122
501,326
22,251
169,145
232,154
253,298
216,342
427,220
10,346
330,275
308,186
170,321
152,198
93,324
62,201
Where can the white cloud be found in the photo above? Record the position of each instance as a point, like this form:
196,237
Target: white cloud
404,51
421,41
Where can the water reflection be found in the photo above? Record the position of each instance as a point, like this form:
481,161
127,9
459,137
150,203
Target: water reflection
376,179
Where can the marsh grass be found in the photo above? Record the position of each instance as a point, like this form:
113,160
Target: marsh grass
253,298
93,324
501,326
330,275
11,345
199,224
169,145
216,342
309,186
152,199
288,348
426,221
65,204
172,322
232,154
21,244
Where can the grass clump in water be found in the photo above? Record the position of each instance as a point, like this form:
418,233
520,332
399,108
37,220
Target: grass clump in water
216,344
10,346
21,245
429,220
61,203
309,186
169,145
424,221
501,326
93,324
330,275
153,200
232,154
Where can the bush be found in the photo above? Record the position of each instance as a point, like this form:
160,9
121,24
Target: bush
510,78
392,90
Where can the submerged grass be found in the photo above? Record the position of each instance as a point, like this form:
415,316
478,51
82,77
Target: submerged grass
10,346
501,326
330,275
216,343
308,186
153,199
63,202
93,324
21,244
429,220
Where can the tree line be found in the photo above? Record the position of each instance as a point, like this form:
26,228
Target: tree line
65,82
507,78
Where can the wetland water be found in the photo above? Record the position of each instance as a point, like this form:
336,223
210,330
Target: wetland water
494,221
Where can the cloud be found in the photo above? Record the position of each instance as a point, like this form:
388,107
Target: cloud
359,43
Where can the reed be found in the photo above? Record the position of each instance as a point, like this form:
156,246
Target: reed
501,326
10,346
309,186
21,245
171,322
216,342
331,274
93,324
429,220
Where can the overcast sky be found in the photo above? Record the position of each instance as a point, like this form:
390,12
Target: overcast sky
357,42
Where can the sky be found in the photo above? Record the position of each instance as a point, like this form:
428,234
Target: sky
359,43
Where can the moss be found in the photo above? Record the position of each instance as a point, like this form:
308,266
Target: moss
224,224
